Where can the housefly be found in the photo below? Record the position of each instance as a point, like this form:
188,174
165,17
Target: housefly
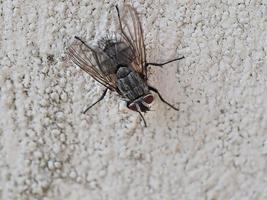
119,63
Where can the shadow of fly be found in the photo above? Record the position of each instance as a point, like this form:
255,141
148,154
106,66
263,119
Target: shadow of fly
119,63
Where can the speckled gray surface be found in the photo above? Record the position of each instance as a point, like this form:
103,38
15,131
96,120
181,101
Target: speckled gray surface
215,147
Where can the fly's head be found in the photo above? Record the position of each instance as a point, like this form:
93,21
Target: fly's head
141,104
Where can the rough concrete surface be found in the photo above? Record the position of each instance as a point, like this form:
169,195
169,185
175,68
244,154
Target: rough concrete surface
215,147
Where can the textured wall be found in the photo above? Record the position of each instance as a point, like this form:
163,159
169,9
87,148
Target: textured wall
215,147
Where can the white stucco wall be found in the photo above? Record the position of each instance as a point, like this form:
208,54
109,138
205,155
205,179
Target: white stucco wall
215,147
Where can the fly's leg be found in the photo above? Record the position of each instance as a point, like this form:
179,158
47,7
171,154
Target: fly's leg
101,98
77,38
119,16
142,118
161,98
161,64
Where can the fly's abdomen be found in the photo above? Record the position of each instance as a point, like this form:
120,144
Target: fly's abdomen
114,53
130,83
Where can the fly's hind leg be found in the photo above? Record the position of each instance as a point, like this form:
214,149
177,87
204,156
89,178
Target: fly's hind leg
119,16
101,98
161,98
77,38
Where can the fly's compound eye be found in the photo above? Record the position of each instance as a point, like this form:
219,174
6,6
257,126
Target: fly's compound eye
149,98
133,106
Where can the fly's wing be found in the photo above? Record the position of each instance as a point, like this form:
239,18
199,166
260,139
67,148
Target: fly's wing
87,59
132,33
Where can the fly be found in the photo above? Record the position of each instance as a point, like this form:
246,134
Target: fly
119,63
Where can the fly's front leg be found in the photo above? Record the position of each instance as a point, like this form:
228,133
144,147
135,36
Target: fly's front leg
161,98
101,98
162,64
142,118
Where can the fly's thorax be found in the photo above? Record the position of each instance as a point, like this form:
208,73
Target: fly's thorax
123,70
130,84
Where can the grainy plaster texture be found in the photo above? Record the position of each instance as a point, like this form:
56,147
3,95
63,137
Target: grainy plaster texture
215,147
